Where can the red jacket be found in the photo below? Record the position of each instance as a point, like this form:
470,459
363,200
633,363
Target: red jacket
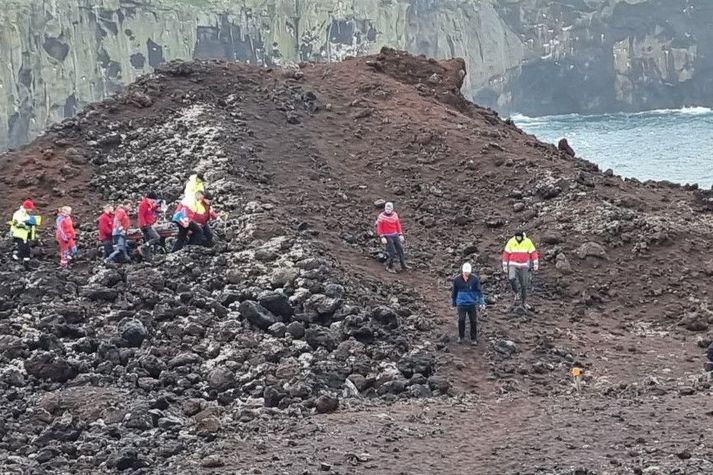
388,225
207,214
121,222
65,230
105,223
147,212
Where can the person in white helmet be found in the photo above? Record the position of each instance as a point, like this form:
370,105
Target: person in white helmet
466,296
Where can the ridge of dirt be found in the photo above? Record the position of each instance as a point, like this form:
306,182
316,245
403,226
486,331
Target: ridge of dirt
624,290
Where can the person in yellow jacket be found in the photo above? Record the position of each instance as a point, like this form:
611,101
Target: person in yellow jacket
518,258
22,229
194,184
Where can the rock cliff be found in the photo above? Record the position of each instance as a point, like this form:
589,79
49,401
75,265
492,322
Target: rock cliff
531,56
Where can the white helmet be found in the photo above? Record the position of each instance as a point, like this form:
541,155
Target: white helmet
467,268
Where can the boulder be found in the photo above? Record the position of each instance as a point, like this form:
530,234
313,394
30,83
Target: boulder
221,379
277,303
562,264
326,404
439,383
277,329
421,363
257,315
506,347
420,391
322,305
133,331
272,396
318,336
591,249
12,346
48,366
296,329
552,238
386,316
284,276
694,322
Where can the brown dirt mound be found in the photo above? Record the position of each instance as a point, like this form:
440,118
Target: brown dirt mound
623,291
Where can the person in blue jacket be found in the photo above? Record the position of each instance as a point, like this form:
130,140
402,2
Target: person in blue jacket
467,296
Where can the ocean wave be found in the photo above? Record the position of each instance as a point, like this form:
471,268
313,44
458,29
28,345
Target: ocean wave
691,110
521,118
687,111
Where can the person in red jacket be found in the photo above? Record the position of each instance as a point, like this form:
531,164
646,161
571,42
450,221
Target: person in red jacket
184,217
202,216
119,234
147,212
64,234
105,225
388,228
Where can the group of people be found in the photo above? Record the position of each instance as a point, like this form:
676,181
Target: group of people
518,258
192,217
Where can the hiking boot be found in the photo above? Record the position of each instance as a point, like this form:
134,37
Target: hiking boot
405,267
460,340
474,342
14,256
390,269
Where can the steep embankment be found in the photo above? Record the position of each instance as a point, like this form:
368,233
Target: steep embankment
190,370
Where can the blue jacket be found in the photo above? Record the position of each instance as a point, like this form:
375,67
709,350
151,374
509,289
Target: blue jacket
466,293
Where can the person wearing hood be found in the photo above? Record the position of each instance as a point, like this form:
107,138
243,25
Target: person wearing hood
518,258
65,235
388,228
194,184
21,228
105,226
467,296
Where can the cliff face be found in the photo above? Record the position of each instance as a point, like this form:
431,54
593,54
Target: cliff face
531,56
594,56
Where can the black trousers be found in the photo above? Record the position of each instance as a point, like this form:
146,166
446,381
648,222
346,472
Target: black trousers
22,248
394,249
207,235
108,247
182,237
471,311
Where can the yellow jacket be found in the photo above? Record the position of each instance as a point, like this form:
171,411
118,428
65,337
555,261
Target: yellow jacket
18,228
520,254
193,186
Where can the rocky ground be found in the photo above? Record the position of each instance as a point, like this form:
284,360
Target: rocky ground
286,348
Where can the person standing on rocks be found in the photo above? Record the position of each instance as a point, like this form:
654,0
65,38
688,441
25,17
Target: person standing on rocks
119,234
147,213
467,296
388,228
194,184
518,258
105,225
202,216
22,227
65,235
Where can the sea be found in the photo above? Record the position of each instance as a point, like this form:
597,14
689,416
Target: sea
673,145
